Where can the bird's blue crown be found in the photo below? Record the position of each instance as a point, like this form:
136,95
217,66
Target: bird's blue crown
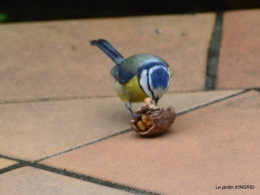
157,72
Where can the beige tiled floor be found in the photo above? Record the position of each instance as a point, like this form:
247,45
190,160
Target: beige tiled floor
57,126
60,117
35,181
4,163
239,54
55,59
210,145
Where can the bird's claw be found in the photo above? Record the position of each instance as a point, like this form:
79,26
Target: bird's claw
135,115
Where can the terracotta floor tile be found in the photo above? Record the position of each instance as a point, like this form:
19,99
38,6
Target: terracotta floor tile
239,54
27,181
185,101
6,163
214,145
39,129
55,59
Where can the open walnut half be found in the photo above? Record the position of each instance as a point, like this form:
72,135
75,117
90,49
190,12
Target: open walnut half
152,120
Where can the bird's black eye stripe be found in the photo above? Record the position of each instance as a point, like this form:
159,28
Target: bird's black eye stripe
140,85
148,83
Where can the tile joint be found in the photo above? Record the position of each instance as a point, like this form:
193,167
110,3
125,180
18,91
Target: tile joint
213,53
214,101
36,164
92,179
128,130
23,163
86,144
50,99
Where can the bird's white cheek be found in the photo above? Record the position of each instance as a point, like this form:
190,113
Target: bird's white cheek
144,83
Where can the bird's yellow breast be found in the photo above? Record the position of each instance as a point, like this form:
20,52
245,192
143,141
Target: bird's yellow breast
130,91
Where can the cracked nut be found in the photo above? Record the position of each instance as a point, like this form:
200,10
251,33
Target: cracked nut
152,120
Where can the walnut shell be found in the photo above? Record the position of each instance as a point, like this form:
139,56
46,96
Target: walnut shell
152,120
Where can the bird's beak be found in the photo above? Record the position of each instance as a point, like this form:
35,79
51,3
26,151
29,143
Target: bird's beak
155,100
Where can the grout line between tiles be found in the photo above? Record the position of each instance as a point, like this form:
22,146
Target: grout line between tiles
83,145
3,102
50,99
128,130
213,102
213,53
93,180
11,168
35,164
22,163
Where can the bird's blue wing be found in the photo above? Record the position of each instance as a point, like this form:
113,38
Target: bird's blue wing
121,76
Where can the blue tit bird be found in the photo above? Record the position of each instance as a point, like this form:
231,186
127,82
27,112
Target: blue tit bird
137,77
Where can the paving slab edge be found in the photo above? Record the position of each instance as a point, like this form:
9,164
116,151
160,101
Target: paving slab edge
36,164
22,163
213,102
213,53
130,129
49,99
211,76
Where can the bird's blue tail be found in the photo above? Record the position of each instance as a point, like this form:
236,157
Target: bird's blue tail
108,49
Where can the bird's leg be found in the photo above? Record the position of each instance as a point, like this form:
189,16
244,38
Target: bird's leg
128,106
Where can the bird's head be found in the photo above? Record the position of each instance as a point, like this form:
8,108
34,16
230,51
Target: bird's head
154,79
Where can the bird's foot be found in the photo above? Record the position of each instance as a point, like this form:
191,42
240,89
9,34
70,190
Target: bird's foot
135,115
